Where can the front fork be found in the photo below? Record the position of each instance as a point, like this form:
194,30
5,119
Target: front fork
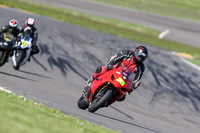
89,96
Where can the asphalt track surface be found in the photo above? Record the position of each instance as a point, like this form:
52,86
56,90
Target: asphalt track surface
182,31
166,102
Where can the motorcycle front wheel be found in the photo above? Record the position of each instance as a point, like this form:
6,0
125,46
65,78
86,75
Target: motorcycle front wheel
19,56
101,102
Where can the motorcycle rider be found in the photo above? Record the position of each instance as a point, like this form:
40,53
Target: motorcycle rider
133,59
30,23
11,28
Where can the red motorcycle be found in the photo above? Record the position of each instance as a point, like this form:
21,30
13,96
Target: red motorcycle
107,88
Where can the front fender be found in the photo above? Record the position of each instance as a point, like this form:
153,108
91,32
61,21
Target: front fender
18,56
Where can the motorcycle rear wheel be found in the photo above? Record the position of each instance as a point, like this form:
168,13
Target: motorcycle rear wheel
82,104
101,102
3,57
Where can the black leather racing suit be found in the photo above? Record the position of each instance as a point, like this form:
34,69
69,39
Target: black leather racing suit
15,32
127,58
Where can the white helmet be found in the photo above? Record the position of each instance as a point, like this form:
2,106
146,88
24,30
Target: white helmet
30,22
13,23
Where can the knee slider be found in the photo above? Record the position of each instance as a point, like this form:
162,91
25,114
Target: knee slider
98,70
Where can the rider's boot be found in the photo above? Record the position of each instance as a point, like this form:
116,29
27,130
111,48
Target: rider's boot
34,50
90,80
31,54
99,71
88,83
29,58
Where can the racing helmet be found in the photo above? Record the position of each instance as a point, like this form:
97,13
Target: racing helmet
30,22
13,23
140,53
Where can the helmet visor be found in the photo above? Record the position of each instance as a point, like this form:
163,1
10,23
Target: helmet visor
140,56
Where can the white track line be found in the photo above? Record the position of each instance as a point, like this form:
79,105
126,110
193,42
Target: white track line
164,33
3,89
190,63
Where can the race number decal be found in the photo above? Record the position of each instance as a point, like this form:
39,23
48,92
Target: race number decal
121,81
24,43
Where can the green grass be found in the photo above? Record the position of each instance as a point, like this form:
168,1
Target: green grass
18,115
195,61
179,8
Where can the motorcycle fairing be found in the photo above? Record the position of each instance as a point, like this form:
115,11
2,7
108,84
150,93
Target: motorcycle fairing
116,78
26,43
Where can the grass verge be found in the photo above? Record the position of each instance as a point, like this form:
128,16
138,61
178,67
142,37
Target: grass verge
189,9
18,115
111,26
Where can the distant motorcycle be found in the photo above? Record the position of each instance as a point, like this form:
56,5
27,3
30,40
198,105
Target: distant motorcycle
107,89
22,51
7,44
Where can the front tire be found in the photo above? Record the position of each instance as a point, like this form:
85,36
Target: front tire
16,67
19,55
101,102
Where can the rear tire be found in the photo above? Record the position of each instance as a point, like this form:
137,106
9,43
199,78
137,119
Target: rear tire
82,104
3,57
105,98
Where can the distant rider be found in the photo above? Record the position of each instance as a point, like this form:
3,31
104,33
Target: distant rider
11,28
30,23
133,59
